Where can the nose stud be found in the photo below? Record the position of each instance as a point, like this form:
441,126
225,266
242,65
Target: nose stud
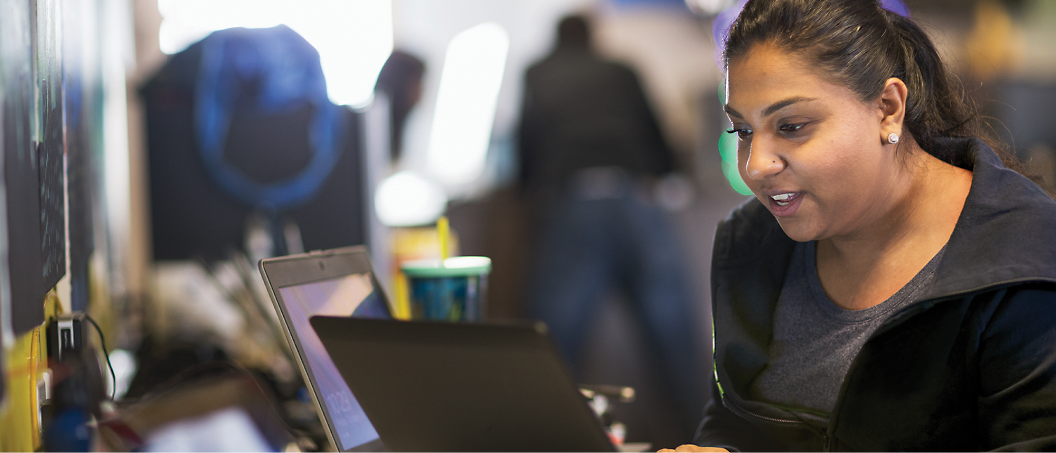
892,138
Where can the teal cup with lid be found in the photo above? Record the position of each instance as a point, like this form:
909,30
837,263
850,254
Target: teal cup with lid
448,290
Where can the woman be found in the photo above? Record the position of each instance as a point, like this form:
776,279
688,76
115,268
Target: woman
892,286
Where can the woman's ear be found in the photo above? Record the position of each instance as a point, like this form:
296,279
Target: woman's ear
892,108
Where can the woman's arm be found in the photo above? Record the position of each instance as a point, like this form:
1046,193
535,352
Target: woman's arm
1017,371
723,429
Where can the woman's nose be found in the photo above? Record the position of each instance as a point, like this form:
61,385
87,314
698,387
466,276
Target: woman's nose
762,160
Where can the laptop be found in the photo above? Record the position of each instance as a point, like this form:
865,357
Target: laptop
438,386
338,282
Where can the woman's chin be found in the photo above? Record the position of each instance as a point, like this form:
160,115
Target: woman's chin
797,232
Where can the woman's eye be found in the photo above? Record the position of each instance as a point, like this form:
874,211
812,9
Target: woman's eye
742,132
791,127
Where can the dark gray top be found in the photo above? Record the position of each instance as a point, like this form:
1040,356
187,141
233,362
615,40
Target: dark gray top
815,340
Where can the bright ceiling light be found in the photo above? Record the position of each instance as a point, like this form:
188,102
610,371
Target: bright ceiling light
354,38
465,104
406,199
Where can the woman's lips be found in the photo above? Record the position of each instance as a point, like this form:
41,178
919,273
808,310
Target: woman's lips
785,203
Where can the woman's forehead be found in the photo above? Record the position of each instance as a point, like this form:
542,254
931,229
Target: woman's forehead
768,64
766,74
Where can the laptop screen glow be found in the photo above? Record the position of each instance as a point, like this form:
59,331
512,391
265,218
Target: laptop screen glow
352,295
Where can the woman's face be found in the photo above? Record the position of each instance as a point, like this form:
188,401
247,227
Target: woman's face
810,150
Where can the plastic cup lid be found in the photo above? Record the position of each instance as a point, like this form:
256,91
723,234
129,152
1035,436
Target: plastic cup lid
458,266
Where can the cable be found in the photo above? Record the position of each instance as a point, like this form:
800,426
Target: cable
106,353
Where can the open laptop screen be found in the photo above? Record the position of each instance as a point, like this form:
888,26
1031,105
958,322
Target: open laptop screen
353,295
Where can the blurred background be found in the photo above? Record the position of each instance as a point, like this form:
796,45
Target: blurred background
154,150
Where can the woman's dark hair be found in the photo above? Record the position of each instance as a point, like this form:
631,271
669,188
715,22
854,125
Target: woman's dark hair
859,44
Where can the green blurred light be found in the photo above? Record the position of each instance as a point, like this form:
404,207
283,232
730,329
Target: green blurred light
734,177
728,147
728,151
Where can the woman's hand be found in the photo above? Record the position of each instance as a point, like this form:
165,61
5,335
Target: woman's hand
691,447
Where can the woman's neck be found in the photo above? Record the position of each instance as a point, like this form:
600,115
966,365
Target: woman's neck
867,267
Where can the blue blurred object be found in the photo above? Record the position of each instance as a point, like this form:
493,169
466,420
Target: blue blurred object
68,431
720,29
896,6
675,5
271,71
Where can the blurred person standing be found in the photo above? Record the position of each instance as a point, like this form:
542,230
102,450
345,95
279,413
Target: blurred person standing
590,151
400,80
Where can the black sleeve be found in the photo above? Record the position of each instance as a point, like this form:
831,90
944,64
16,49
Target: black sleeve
1017,363
718,425
724,429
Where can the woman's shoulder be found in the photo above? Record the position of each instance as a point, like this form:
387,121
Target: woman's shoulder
996,187
1006,233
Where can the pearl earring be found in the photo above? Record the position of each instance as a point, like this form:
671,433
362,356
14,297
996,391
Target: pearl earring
892,138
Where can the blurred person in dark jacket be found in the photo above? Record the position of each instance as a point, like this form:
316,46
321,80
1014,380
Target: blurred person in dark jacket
591,150
400,79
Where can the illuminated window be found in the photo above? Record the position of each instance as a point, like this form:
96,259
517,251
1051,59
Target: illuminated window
465,104
354,38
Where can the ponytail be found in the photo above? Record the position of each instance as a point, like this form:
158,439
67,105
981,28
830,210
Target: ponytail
938,106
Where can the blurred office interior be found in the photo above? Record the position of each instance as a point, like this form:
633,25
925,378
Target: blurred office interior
112,206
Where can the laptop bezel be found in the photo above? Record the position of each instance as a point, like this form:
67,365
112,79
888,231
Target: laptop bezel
521,336
308,268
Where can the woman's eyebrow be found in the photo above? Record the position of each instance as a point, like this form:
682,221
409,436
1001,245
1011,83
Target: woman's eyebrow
772,108
730,111
784,103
